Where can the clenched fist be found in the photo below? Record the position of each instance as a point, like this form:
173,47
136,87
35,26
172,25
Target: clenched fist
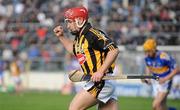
59,32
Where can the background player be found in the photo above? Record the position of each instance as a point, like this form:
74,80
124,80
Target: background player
2,69
160,64
15,71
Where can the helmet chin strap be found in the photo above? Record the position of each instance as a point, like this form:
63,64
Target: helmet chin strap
78,24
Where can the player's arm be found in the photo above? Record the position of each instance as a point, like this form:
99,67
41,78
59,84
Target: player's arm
67,43
170,76
147,72
104,44
170,62
173,73
109,60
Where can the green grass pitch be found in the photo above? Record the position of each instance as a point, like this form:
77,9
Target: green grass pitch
56,101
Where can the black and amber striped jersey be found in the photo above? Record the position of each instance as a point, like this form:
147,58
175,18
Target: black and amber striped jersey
91,48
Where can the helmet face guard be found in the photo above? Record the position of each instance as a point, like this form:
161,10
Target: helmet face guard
76,20
75,14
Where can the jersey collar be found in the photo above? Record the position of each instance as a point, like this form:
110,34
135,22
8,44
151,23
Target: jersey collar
85,29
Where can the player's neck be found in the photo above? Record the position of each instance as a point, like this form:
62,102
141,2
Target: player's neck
82,29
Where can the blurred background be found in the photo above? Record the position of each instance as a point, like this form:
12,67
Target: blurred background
32,59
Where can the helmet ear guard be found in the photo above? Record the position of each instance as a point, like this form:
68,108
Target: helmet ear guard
80,22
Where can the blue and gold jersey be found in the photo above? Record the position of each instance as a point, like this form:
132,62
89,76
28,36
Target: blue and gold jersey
161,65
1,66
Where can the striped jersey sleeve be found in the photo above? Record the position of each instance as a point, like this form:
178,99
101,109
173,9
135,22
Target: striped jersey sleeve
101,41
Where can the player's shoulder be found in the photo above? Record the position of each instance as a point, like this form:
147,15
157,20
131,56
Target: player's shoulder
94,30
98,33
88,31
148,61
164,55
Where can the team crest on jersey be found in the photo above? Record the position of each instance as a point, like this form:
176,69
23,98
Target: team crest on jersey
164,56
102,36
81,58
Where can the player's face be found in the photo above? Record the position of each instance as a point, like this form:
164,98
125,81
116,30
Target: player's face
71,26
150,53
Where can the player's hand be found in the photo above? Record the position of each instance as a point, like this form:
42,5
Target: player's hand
59,32
147,81
162,80
97,76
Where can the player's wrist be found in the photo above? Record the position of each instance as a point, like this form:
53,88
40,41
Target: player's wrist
101,71
166,78
60,36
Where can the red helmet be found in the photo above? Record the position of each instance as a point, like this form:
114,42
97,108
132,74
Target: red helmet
73,13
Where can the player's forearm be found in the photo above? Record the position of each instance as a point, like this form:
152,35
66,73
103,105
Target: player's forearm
170,76
147,71
67,43
109,60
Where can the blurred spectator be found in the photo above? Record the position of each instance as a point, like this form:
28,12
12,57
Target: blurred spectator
29,22
41,33
33,55
7,54
18,8
33,52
